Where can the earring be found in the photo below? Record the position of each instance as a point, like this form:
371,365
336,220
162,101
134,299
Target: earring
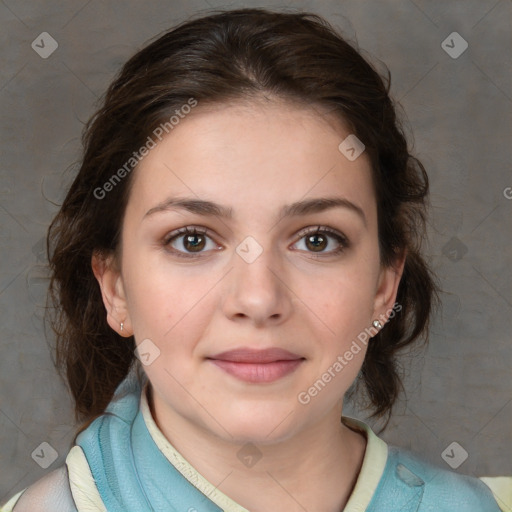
377,324
122,326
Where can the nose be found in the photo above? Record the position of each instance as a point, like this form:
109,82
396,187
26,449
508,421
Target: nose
256,289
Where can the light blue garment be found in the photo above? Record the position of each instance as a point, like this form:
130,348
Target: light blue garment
411,485
132,474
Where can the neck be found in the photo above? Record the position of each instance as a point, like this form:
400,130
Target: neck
316,469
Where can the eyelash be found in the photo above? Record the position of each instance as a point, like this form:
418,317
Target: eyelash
191,230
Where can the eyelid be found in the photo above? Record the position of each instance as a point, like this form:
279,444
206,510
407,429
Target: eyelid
191,229
342,240
184,231
309,230
322,229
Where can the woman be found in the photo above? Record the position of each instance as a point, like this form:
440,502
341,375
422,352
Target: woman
240,246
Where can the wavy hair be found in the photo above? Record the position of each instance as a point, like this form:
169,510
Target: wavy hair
224,57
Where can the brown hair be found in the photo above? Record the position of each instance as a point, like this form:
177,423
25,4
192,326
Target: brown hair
232,55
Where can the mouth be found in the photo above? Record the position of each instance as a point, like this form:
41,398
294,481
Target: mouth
257,366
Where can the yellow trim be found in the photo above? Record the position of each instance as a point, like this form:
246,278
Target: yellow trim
10,504
374,462
501,487
83,487
182,465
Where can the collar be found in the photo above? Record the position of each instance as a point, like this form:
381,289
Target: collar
372,469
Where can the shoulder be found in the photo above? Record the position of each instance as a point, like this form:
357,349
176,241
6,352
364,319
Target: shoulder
501,487
49,493
437,489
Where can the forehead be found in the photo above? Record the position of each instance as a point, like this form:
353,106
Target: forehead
252,154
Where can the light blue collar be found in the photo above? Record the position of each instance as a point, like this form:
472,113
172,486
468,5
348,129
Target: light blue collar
131,473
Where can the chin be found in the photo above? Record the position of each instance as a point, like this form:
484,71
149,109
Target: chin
259,425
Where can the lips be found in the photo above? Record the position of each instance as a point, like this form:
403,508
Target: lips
247,355
258,366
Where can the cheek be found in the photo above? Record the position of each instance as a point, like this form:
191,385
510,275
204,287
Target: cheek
344,306
151,306
163,301
342,299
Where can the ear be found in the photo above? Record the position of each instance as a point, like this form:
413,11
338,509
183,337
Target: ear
109,277
387,288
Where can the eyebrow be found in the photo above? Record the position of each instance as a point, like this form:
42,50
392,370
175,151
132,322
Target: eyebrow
209,208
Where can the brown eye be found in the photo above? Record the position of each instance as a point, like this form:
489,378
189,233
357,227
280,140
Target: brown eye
319,240
194,243
316,242
188,242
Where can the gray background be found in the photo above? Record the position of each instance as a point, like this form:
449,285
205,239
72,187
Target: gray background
460,113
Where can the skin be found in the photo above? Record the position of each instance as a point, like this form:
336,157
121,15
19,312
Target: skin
253,158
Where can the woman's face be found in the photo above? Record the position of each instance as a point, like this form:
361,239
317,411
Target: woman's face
215,311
